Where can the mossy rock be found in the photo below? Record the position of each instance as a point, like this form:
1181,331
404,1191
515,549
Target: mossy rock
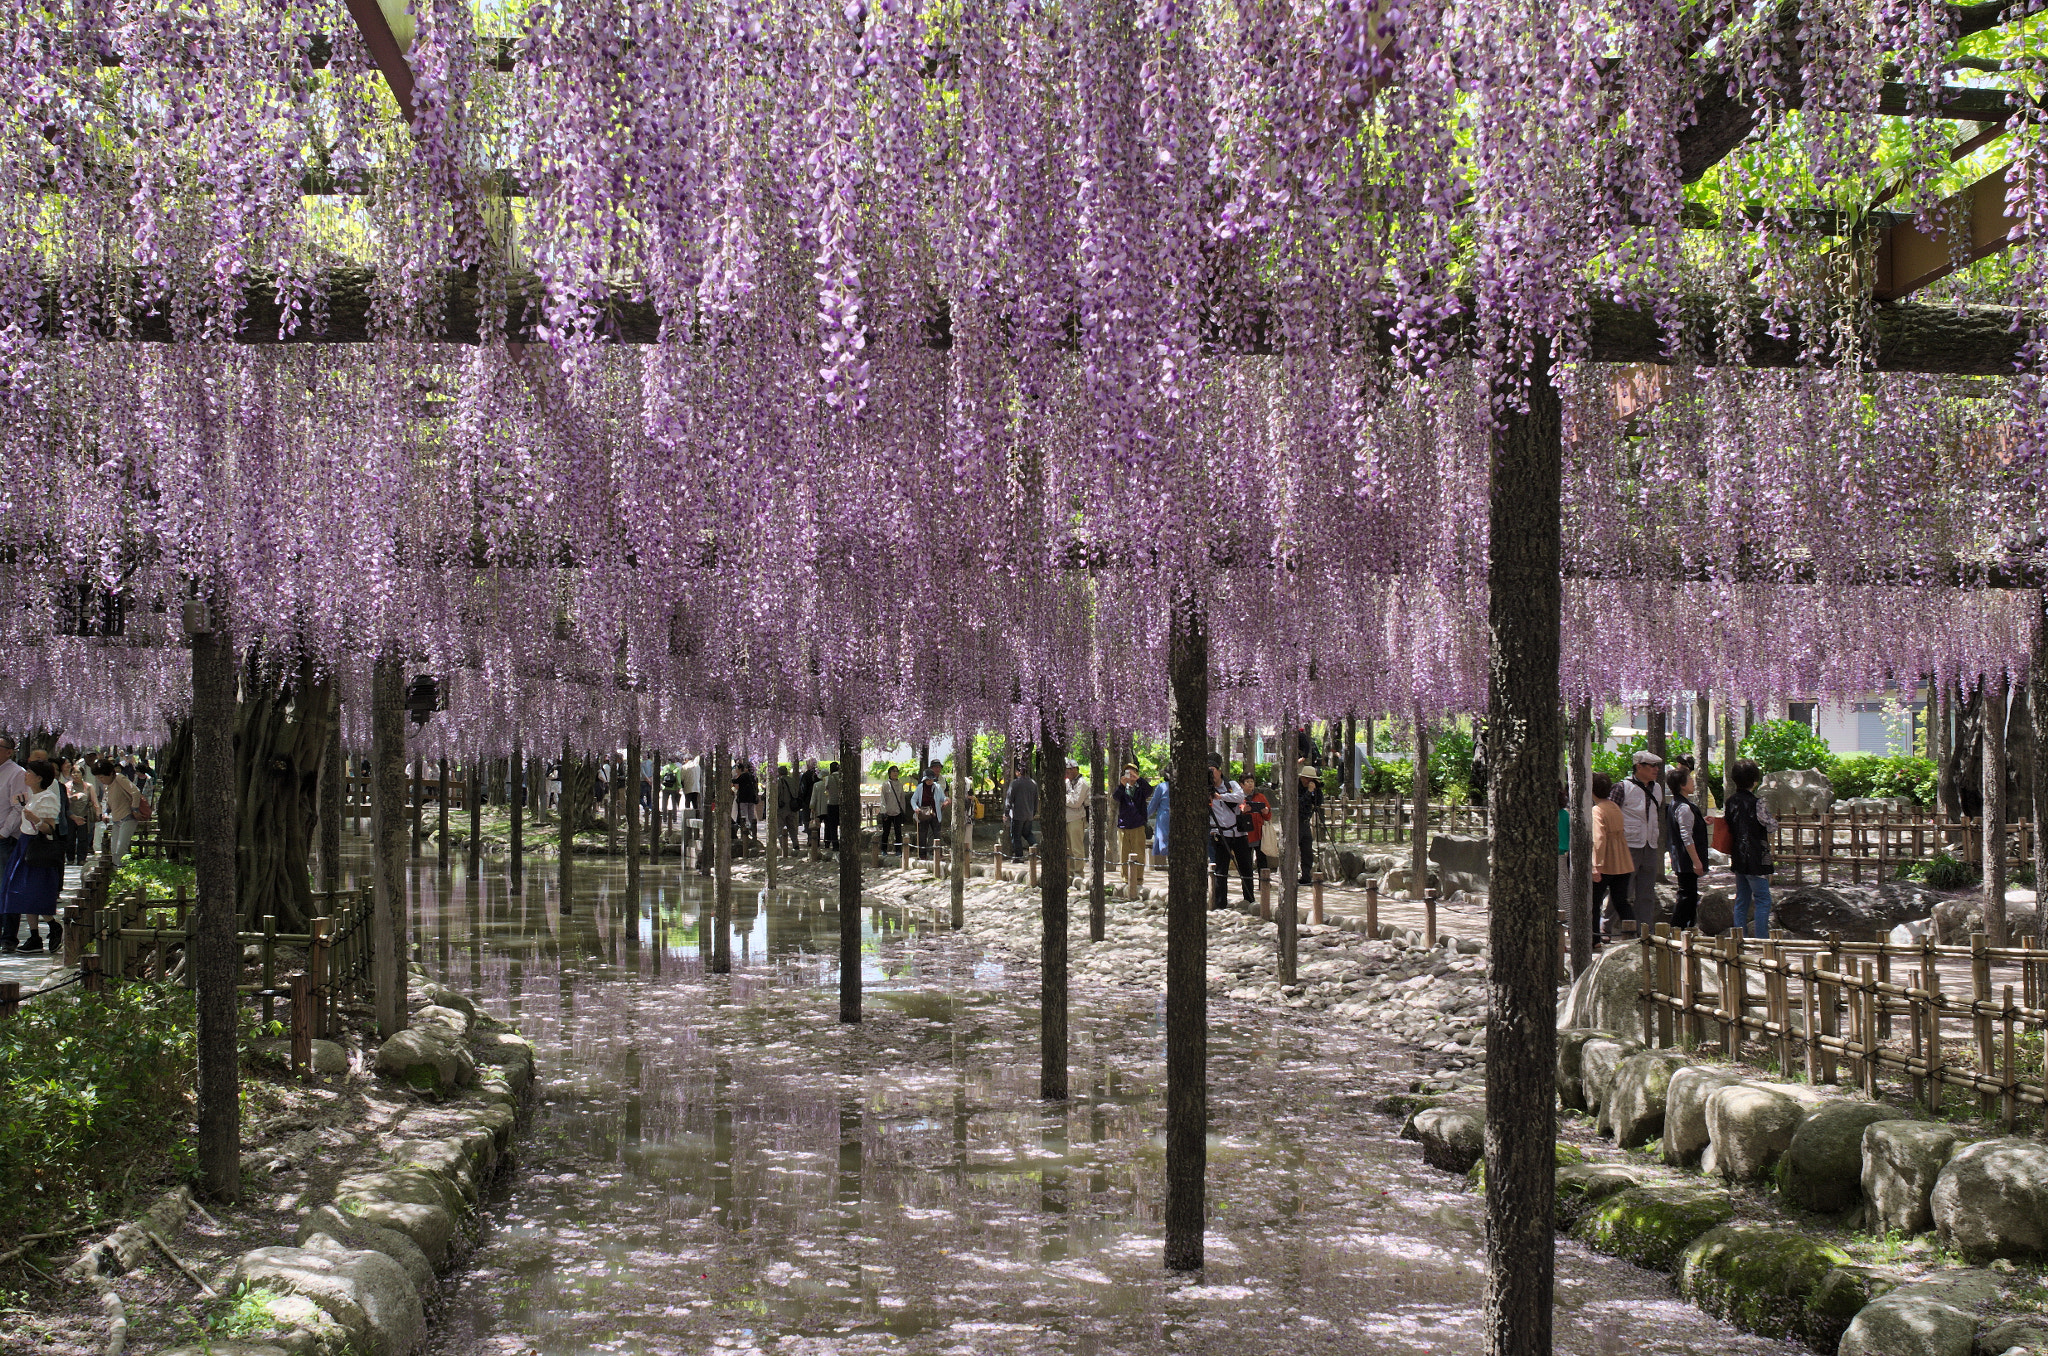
1405,1104
1760,1279
1568,1155
1652,1225
1582,1186
1842,1294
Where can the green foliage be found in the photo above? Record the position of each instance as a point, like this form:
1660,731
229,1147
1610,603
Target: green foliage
1947,873
1855,775
1619,762
153,878
1451,774
1385,778
95,1089
1781,745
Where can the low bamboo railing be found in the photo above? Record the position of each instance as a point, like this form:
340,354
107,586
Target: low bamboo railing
1869,1009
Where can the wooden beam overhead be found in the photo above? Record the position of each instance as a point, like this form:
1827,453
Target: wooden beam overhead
1975,226
384,50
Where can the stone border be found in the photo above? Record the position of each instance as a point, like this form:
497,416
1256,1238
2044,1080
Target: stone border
364,1264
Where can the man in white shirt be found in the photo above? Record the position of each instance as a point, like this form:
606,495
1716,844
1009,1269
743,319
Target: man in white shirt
1642,799
929,804
1077,817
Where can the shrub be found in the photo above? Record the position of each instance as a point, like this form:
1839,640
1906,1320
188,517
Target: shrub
153,878
95,1089
1450,765
1862,774
1946,873
1781,745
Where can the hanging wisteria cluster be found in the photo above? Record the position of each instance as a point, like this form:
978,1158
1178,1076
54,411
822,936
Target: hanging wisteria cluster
770,365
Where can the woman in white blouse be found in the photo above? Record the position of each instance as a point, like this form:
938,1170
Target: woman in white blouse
35,873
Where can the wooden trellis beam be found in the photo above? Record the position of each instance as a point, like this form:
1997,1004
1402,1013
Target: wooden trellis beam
1976,226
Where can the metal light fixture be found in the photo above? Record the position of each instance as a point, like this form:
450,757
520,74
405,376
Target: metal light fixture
423,698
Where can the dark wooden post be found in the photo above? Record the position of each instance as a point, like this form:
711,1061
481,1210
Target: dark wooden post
567,811
10,997
387,830
1997,708
1052,885
963,822
217,956
1098,838
302,1023
515,801
1187,934
473,791
419,796
333,785
441,820
633,819
1418,832
849,871
1287,764
1525,615
1579,902
718,792
2037,723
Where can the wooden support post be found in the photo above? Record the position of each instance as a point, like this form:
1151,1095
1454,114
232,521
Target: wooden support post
1868,1031
1316,901
74,941
418,806
1810,995
1830,1020
92,980
1265,895
10,997
1418,827
1372,910
1936,1068
319,961
1429,916
1981,1021
268,960
302,1023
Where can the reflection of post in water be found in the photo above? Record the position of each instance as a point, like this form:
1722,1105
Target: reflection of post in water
443,913
1098,1127
718,823
852,1159
629,1078
721,1142
751,912
473,914
515,800
1052,1190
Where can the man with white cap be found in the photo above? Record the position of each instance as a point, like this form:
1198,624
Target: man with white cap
1642,799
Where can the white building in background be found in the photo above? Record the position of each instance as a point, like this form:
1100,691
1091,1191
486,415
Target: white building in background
1886,722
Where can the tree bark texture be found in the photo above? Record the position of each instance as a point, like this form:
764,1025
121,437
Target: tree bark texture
1187,934
1579,908
1289,761
1418,839
1658,735
419,801
1728,746
849,871
1997,701
217,954
387,813
1944,761
333,787
2037,725
474,783
516,802
1098,839
1703,742
718,794
441,818
1524,614
633,818
1053,875
577,780
963,822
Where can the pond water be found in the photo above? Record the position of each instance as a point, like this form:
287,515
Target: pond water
716,1164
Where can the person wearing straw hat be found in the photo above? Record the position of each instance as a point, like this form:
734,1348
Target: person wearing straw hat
1307,800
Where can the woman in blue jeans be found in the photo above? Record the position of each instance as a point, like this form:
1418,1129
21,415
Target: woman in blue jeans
1750,825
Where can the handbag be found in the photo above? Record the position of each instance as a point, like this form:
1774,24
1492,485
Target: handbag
1271,841
143,811
38,849
1723,840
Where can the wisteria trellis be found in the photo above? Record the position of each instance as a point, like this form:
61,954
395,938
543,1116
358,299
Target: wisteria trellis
983,327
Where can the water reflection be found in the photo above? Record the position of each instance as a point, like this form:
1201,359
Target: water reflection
716,1163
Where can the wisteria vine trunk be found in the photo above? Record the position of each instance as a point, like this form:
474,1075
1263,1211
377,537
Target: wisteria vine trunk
1524,614
1187,933
217,956
1052,886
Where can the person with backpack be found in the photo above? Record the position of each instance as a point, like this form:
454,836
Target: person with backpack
1750,826
1687,834
1643,804
1228,843
1307,801
1020,810
929,805
789,799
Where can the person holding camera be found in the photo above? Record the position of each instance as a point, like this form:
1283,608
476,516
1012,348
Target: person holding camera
1228,841
1133,797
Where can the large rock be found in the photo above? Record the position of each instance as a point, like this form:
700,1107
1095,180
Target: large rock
1598,1060
1716,912
415,1203
1685,1111
1608,996
1761,1280
1991,1199
1461,862
427,1059
1956,919
1860,913
1749,1127
1581,1186
1571,1044
1929,1318
1823,1166
1634,1106
1453,1137
366,1292
1395,882
342,1230
2029,1333
1902,1160
1652,1225
1802,791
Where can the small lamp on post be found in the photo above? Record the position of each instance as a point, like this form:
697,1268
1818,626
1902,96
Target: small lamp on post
423,697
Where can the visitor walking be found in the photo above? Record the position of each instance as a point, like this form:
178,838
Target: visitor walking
813,820
120,803
1157,808
1308,801
82,806
747,803
1077,817
1259,812
1020,811
789,794
1643,805
1613,866
1133,801
1688,848
895,809
930,806
1227,842
1750,826
825,807
35,871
